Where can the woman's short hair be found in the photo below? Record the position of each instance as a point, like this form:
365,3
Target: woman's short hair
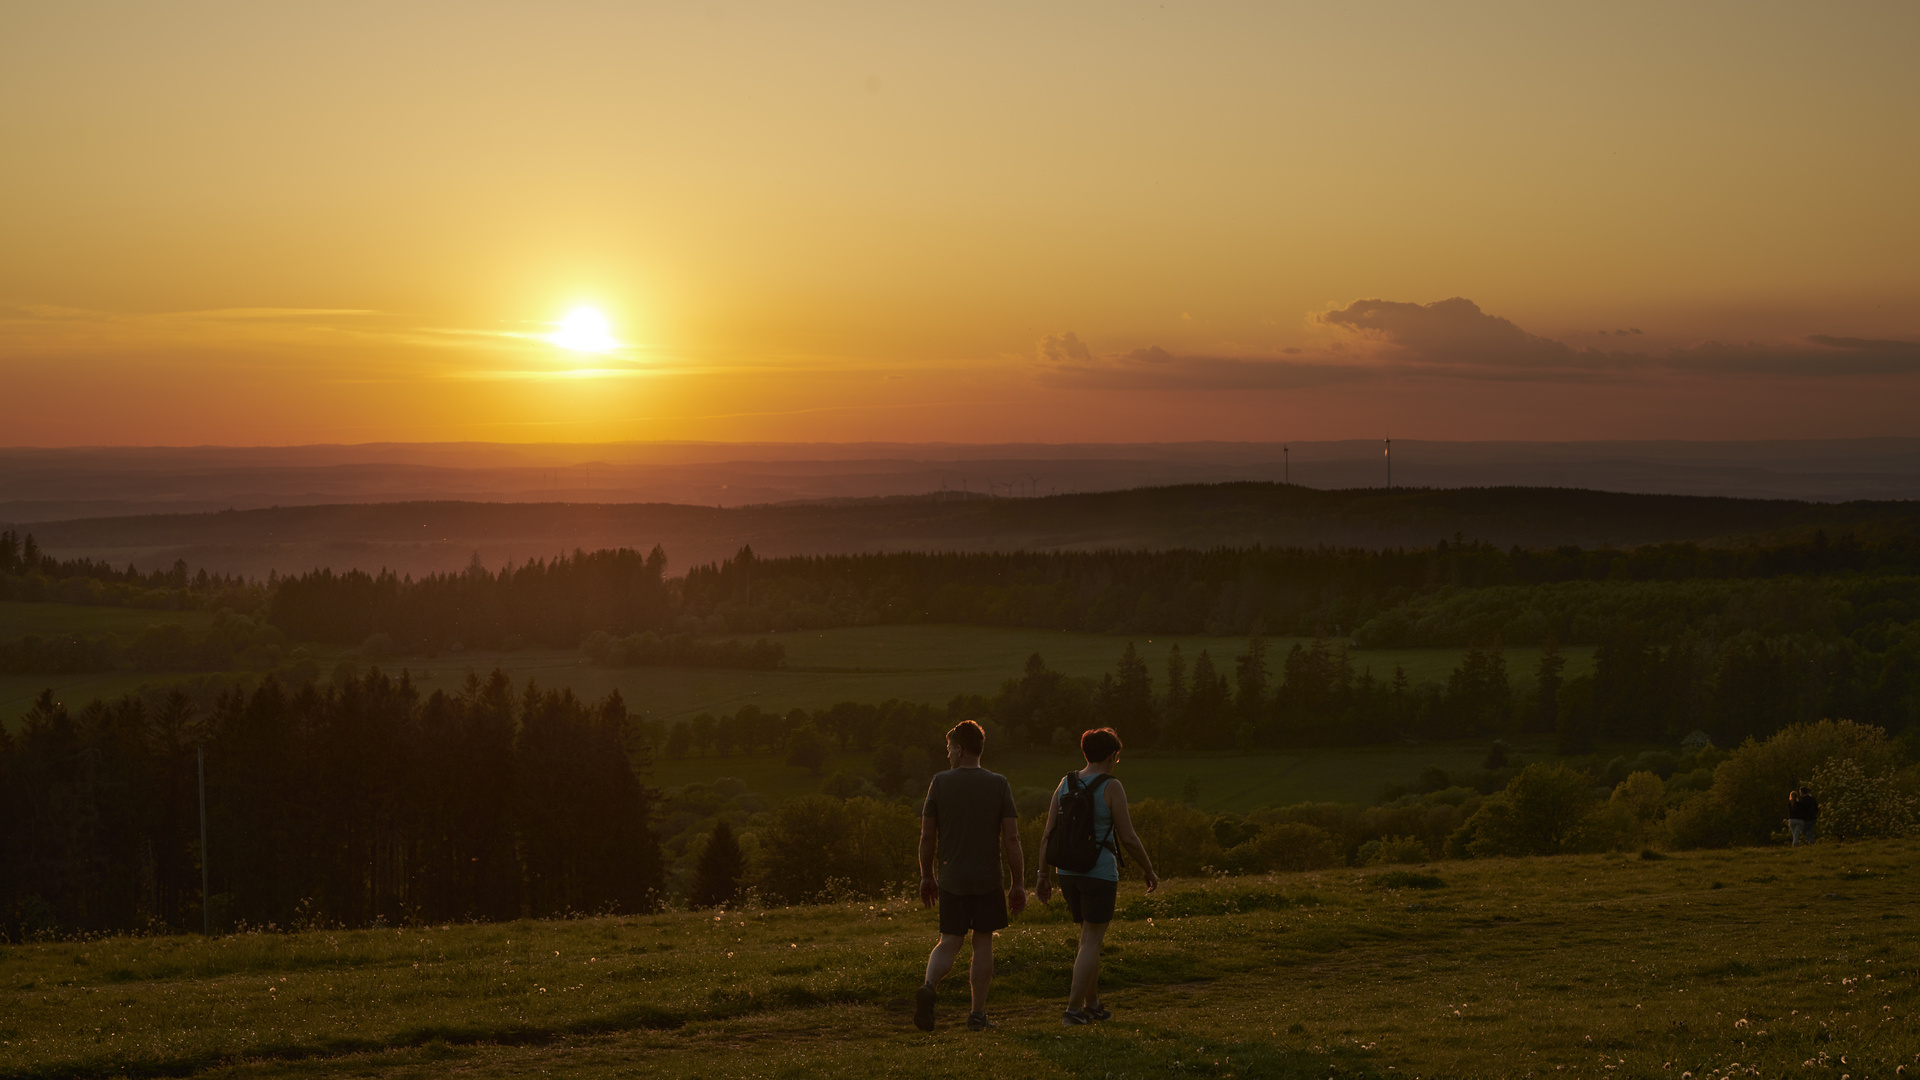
968,736
1099,744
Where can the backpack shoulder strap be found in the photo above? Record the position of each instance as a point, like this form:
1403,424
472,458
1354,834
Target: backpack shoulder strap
1093,788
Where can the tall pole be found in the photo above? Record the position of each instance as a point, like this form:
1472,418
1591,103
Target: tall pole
1286,465
206,910
1389,464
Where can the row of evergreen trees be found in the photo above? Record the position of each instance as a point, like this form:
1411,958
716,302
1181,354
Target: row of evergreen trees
29,573
346,804
1395,597
556,602
1287,591
1636,692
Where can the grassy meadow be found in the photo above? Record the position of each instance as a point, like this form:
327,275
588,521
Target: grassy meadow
19,619
871,664
1760,962
824,667
1222,783
909,663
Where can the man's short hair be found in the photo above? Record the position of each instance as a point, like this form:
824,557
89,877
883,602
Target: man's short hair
1099,744
968,736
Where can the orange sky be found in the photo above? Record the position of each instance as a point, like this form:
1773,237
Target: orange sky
245,223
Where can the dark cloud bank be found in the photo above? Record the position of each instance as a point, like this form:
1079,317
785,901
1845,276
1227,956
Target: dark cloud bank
1455,339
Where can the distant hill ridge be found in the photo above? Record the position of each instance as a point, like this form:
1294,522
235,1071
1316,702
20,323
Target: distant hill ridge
420,537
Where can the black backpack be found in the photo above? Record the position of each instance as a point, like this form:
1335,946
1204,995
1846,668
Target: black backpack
1072,846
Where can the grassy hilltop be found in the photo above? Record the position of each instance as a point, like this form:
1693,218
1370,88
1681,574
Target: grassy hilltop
1754,962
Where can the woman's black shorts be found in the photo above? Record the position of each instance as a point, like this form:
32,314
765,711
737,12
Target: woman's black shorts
1089,900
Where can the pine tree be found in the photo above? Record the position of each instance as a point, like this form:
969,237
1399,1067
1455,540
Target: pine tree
1175,707
1133,699
1546,686
1209,707
716,878
1250,678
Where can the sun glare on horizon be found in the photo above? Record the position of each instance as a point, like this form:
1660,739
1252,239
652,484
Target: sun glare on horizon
585,329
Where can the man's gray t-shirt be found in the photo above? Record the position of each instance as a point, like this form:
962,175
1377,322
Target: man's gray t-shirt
968,805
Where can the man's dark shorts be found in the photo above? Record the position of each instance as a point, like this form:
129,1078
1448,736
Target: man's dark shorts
984,913
1089,900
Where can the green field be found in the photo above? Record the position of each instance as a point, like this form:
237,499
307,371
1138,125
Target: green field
18,619
1226,783
867,664
909,663
916,663
1717,964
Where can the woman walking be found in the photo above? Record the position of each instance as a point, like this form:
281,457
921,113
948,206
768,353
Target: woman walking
1090,892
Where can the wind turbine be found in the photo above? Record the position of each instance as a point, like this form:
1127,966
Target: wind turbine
1389,442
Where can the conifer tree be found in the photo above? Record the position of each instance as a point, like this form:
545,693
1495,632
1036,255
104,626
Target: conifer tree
1133,699
716,878
1546,687
1174,709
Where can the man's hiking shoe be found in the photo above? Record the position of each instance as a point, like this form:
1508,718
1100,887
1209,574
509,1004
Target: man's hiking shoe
979,1022
923,1007
1098,1012
1075,1018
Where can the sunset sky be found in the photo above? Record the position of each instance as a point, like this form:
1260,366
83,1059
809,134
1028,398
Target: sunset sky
251,223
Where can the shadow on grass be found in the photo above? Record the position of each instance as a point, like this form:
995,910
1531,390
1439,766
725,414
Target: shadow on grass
1108,1053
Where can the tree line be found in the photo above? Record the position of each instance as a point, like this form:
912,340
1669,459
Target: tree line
1280,591
30,574
1453,593
1316,694
354,803
233,642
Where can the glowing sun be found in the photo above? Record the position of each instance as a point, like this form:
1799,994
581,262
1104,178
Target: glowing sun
584,329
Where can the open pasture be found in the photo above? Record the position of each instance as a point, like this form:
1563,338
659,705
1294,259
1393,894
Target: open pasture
1222,783
20,619
824,667
1754,962
914,663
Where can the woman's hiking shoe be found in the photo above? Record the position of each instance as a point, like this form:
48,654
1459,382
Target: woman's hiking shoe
979,1022
1075,1018
1098,1012
923,1007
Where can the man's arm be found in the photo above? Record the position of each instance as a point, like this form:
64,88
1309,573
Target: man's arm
1016,862
929,836
1043,884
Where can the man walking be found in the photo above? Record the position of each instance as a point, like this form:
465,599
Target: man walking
969,820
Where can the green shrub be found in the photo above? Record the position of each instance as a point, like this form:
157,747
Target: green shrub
1698,822
1394,851
818,845
1541,812
1854,805
1178,837
1287,846
1750,787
